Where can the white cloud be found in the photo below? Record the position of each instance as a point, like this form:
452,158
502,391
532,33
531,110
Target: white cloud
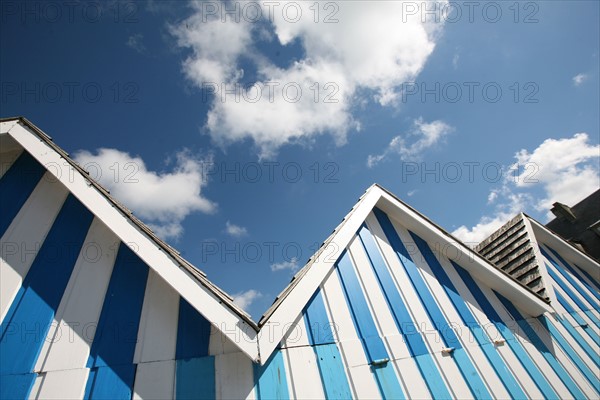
566,170
245,299
427,135
235,230
136,43
161,199
374,46
291,265
579,79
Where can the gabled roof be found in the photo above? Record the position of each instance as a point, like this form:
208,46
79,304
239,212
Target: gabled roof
293,299
515,249
191,283
215,304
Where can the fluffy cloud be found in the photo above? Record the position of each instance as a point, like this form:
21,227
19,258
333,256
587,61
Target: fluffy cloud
371,47
427,134
291,265
566,170
161,199
245,299
136,42
579,79
235,230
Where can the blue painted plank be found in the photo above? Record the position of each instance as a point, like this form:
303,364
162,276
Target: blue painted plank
332,372
193,332
517,348
116,335
270,380
585,370
546,353
388,384
415,343
577,285
26,324
587,329
498,364
16,386
361,315
593,354
112,383
595,281
464,363
575,271
582,306
16,186
195,378
320,330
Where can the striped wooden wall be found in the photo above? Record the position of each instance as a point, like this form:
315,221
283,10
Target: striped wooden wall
82,316
442,333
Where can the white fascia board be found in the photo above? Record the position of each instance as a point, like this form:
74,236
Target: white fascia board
203,300
570,253
282,319
5,126
455,250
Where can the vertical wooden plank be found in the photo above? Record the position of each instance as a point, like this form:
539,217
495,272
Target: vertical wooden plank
16,186
233,376
67,344
271,379
303,373
333,376
361,379
155,380
195,378
193,332
60,385
28,319
114,382
26,233
157,336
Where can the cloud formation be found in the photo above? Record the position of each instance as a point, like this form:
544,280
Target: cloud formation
349,48
245,299
291,265
161,199
579,79
427,135
235,230
565,170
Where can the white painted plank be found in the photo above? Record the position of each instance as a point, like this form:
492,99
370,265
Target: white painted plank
452,375
535,355
297,335
234,376
157,334
564,359
155,380
510,359
361,378
473,349
303,373
24,236
60,385
394,341
68,341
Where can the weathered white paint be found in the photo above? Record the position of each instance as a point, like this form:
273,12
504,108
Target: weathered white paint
157,333
303,373
234,376
60,385
155,380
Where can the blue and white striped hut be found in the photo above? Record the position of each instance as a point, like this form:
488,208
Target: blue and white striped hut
94,305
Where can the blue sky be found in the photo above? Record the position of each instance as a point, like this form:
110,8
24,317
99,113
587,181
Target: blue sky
470,113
